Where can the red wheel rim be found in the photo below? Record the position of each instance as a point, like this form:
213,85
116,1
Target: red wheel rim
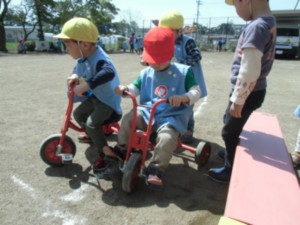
50,151
204,156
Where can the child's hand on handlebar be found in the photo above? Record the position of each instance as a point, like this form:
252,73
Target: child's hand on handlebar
177,100
73,79
81,89
120,90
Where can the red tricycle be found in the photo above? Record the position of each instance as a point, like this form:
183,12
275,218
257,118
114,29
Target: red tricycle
140,142
60,149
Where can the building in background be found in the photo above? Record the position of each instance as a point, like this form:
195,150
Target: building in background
288,33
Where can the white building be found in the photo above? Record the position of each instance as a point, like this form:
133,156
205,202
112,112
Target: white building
16,33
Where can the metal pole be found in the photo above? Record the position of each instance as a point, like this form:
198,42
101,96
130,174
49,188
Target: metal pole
296,4
198,3
143,28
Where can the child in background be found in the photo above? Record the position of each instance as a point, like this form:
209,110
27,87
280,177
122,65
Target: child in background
96,78
296,153
253,60
131,42
161,79
186,52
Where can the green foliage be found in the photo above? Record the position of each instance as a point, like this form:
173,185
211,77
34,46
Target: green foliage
120,42
111,47
206,47
231,47
11,46
30,45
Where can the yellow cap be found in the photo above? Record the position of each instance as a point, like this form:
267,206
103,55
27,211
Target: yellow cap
171,19
79,29
229,2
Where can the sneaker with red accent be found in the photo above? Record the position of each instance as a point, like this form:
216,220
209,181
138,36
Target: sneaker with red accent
99,165
84,138
154,176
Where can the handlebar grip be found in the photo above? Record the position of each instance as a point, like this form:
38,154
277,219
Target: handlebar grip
125,92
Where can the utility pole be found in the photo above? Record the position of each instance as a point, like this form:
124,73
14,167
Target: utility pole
296,4
197,20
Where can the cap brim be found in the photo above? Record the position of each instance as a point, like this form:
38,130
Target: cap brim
155,59
229,2
61,36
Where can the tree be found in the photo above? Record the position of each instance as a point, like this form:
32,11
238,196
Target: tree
3,10
121,27
50,14
130,17
101,12
43,11
23,16
226,28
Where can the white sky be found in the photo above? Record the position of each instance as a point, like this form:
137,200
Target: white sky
151,9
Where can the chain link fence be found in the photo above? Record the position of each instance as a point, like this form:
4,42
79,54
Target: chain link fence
211,31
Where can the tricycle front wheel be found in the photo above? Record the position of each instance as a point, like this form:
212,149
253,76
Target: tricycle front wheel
48,150
131,172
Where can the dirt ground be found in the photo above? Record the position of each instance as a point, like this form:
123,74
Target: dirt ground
32,107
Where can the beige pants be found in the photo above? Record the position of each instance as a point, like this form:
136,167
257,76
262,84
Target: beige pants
166,141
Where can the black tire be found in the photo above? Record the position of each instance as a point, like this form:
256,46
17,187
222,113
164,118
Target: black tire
49,147
202,153
131,171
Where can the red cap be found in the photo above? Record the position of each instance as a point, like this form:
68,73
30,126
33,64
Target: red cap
158,45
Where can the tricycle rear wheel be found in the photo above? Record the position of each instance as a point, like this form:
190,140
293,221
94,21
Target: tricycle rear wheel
202,153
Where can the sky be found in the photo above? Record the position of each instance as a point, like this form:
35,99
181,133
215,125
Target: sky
146,10
152,9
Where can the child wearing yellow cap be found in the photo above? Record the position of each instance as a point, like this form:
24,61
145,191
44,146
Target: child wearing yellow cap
162,79
188,53
96,78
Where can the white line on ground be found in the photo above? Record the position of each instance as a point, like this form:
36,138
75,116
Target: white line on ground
24,186
76,195
50,208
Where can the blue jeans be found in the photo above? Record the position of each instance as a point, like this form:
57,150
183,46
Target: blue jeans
233,126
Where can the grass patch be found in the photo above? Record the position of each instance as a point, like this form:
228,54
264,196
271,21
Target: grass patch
11,46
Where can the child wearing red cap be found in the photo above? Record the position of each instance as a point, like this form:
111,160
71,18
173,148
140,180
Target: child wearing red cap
162,79
188,53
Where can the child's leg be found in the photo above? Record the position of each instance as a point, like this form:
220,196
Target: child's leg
233,126
95,121
191,124
126,124
166,144
82,112
187,138
119,151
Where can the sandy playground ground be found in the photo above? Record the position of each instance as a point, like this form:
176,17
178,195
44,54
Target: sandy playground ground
32,106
